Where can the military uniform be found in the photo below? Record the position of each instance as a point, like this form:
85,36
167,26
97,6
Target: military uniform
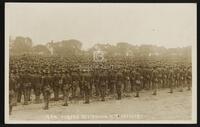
75,82
137,82
11,100
37,86
26,86
171,80
181,80
55,85
132,79
126,79
103,81
46,90
148,78
66,85
11,92
86,80
155,81
160,78
120,81
165,78
18,88
30,84
112,81
14,86
96,82
189,78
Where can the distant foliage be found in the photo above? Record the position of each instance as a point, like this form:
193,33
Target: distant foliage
21,45
72,49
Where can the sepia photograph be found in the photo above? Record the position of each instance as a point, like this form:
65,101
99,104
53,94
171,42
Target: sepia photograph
100,63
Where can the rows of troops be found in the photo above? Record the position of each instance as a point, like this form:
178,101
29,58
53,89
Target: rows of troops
83,80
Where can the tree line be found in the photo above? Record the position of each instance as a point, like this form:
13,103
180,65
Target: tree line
73,48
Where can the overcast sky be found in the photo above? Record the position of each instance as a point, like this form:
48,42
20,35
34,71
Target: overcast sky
169,25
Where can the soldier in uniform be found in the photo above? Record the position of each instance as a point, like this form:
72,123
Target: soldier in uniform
81,85
11,100
17,87
37,86
66,85
160,77
144,74
46,90
13,80
75,81
126,79
86,80
55,85
112,81
165,77
181,79
11,92
189,78
132,79
25,86
103,81
20,86
31,83
119,82
175,70
148,78
96,81
155,80
171,80
137,82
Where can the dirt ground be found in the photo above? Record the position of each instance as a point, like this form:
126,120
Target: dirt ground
164,106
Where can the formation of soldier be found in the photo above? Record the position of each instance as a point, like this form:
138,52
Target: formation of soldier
49,76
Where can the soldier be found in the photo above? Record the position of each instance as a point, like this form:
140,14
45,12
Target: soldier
126,79
175,79
189,78
96,81
112,81
165,77
171,80
75,81
81,85
132,79
66,85
30,84
160,77
148,78
103,81
142,77
120,80
181,79
155,80
137,82
46,89
37,85
55,85
11,92
86,80
25,86
11,100
19,86
14,86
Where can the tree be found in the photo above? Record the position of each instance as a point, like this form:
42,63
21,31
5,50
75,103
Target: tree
21,45
122,48
41,49
66,48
